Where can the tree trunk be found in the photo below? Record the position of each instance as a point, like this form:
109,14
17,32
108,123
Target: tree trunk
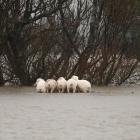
15,52
1,78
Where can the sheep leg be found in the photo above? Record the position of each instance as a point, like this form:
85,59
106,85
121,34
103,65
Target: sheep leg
89,90
74,90
52,90
84,91
58,90
63,90
68,90
46,90
39,91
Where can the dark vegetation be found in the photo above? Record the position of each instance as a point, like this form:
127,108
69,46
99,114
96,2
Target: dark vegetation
94,39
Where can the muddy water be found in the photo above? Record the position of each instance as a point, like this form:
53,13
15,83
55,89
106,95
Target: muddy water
27,115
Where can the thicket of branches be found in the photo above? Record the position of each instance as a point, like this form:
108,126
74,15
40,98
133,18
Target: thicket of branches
53,38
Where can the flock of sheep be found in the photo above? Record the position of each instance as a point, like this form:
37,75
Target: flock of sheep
61,85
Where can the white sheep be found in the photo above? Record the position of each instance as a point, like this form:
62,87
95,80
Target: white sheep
71,85
74,77
84,86
61,84
51,85
7,84
40,85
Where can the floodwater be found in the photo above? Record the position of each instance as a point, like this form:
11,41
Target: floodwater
106,114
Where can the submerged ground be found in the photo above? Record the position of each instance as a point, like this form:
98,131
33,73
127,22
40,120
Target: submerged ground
109,113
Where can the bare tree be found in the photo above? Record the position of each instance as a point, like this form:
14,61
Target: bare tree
46,38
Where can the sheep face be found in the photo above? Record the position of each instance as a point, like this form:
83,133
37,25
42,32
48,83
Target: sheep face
74,77
38,80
